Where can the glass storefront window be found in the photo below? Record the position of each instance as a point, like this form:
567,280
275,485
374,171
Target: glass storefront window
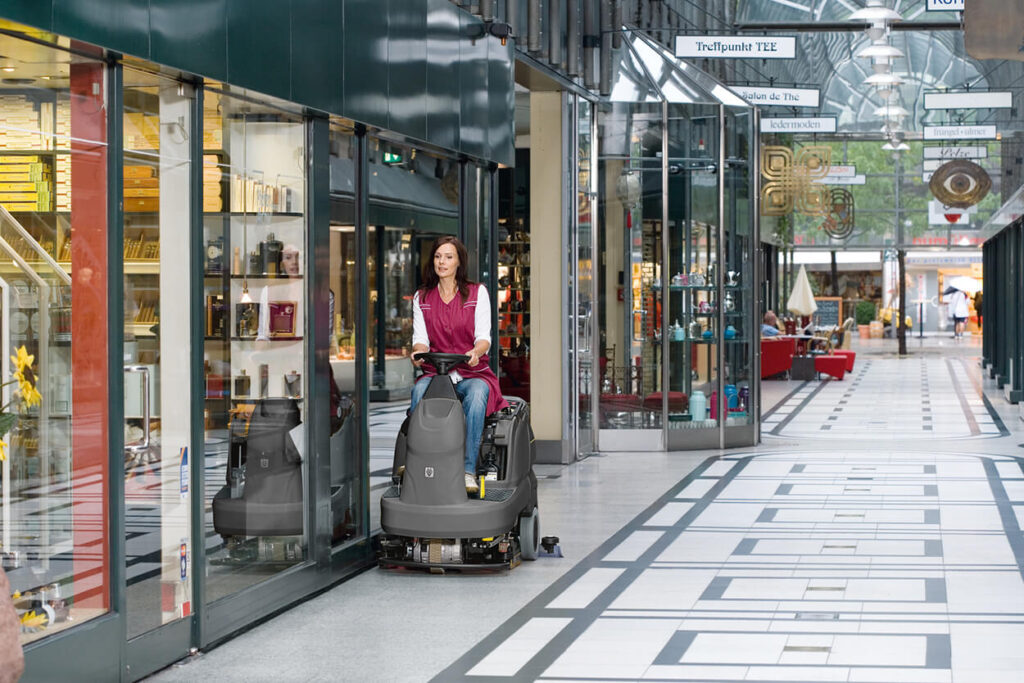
157,343
54,482
677,302
254,232
347,465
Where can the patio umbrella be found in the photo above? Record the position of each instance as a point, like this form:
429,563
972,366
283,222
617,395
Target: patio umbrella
801,299
964,284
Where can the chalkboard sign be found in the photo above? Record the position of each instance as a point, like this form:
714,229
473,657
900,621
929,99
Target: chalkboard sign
830,311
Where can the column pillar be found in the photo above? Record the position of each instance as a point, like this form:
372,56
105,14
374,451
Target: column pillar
548,356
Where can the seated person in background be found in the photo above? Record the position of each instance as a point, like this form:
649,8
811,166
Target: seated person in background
770,324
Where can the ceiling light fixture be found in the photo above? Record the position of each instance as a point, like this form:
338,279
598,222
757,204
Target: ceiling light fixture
879,49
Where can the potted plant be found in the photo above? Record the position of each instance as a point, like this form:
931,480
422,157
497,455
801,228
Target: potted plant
864,313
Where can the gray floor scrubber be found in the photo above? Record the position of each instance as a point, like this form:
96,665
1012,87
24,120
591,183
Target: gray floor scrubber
429,519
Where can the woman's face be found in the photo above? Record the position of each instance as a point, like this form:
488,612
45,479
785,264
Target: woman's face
446,260
290,261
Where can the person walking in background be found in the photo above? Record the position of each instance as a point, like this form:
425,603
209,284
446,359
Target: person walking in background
959,311
977,306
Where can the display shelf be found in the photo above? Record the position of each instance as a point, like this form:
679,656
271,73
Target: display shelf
271,339
254,214
701,340
141,329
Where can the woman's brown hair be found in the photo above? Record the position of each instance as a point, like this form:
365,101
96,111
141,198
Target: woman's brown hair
430,278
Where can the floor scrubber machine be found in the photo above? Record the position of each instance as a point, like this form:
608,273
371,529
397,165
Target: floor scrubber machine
428,518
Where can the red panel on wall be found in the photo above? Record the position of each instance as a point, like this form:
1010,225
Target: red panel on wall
90,315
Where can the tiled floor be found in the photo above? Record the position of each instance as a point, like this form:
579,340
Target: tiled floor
857,544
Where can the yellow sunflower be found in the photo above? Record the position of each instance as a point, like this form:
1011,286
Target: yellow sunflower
26,377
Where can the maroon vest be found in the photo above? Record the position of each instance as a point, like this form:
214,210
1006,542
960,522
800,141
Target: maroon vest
451,328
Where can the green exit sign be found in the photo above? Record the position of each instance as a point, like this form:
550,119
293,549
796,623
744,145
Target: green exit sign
392,158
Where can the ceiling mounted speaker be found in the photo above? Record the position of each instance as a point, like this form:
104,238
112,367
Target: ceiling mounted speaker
960,183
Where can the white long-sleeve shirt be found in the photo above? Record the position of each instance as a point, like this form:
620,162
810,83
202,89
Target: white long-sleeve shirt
958,304
481,323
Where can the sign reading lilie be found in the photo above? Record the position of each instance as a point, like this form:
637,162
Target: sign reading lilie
736,47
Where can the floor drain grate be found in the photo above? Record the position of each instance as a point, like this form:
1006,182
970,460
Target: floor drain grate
807,648
826,588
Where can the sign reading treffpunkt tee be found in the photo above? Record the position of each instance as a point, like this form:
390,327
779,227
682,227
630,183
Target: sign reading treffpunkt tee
736,47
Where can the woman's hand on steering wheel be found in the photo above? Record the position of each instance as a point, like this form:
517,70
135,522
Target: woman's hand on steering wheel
417,360
474,358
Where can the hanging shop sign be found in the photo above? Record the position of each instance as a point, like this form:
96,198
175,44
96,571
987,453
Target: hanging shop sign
844,180
959,132
945,5
940,214
736,47
778,97
840,219
789,180
841,171
968,100
816,124
960,183
947,153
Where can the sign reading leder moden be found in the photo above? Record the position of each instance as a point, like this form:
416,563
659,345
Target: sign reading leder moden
799,124
736,47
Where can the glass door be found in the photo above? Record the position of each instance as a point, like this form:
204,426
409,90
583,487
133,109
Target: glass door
157,358
255,459
694,326
631,208
739,280
584,283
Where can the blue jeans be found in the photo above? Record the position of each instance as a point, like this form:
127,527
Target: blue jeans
474,394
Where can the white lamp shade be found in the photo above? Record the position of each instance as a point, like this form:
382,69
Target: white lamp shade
876,14
891,111
880,50
883,79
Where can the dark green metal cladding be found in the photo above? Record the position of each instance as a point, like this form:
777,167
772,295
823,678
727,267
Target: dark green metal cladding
423,69
366,61
443,86
318,54
473,82
121,25
501,91
201,25
407,58
259,45
38,13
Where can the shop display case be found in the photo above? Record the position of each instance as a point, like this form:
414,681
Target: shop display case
678,307
514,313
254,236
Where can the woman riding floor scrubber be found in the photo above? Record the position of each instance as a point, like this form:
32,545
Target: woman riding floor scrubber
429,519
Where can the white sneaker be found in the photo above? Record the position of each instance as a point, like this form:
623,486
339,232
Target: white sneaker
471,485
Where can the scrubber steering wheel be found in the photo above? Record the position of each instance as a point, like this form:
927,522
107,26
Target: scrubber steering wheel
442,362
